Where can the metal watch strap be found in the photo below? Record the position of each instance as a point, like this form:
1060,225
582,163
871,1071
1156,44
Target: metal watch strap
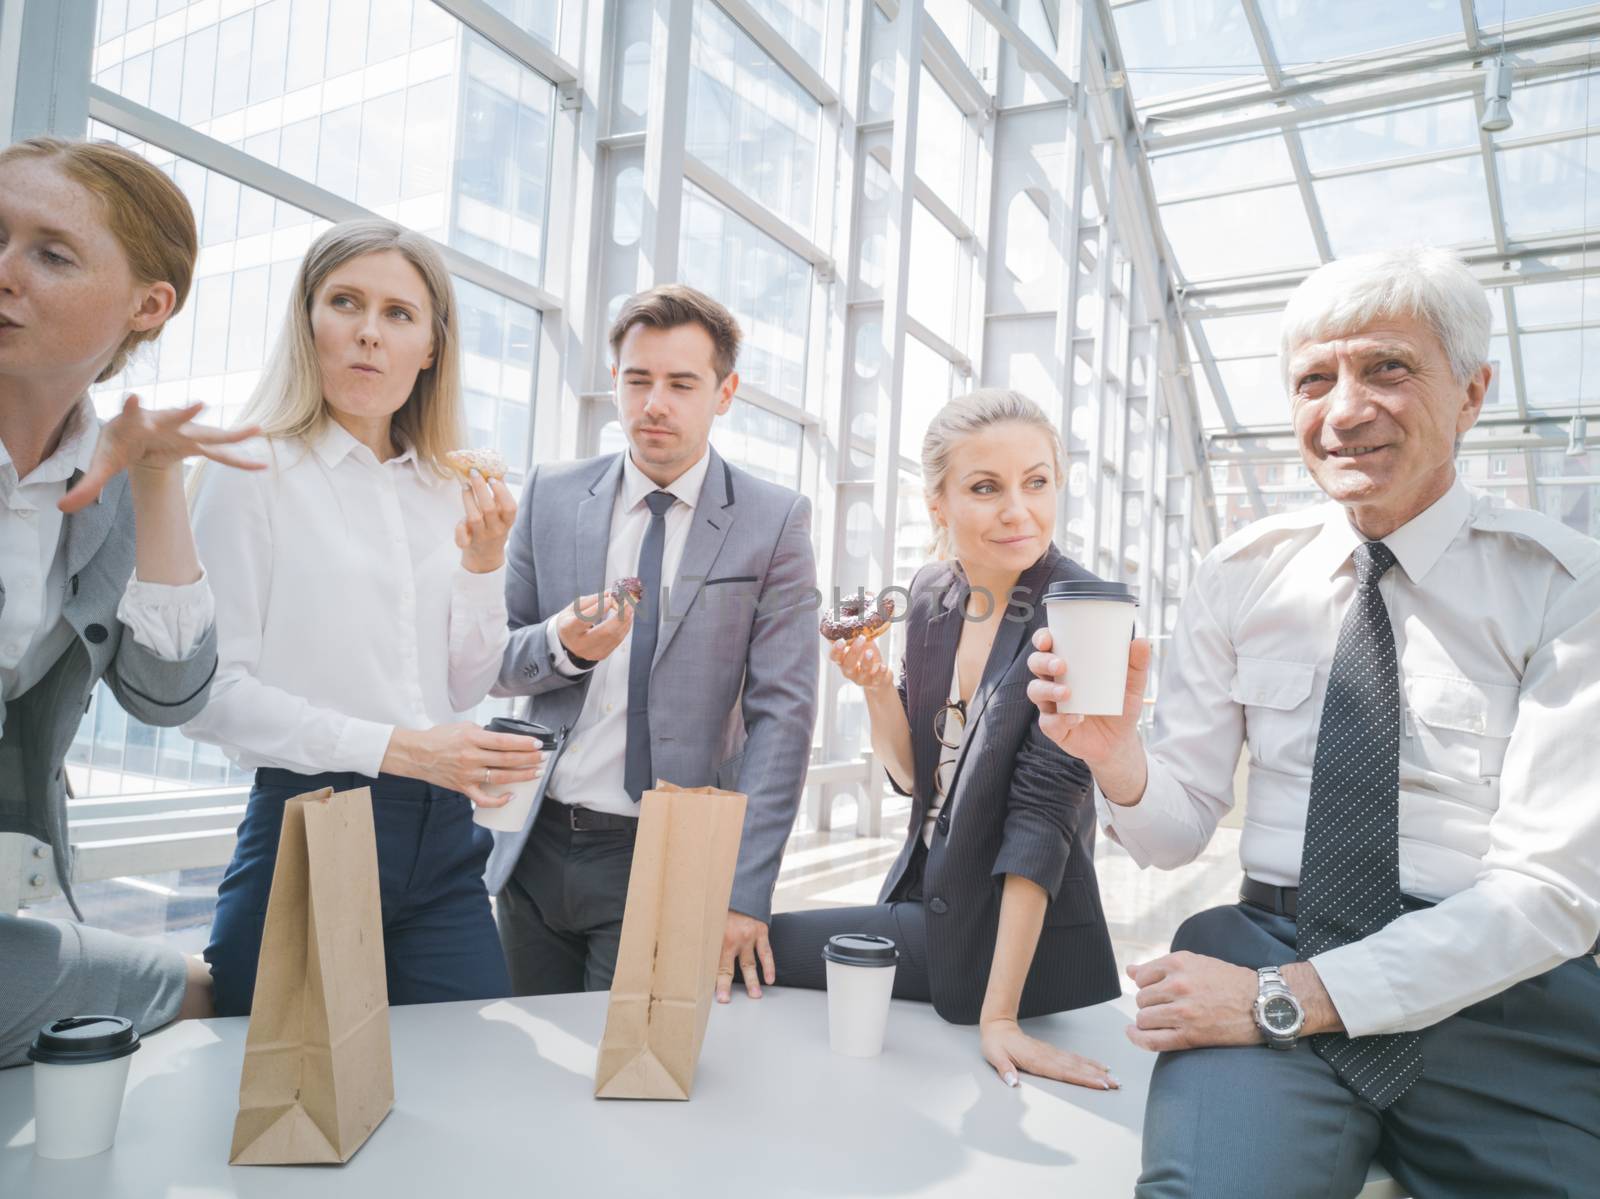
1270,982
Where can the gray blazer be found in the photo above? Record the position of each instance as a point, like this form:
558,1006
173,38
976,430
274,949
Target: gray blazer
40,724
733,692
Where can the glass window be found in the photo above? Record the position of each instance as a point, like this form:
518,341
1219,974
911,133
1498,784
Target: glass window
1545,187
763,443
1240,336
1551,367
1398,133
749,120
499,347
1442,203
1173,46
935,269
926,389
1306,34
1255,390
1558,303
538,17
765,285
1222,237
407,113
1557,106
1249,162
798,22
941,143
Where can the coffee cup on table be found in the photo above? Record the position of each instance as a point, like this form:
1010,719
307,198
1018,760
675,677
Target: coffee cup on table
513,814
860,981
80,1071
1091,624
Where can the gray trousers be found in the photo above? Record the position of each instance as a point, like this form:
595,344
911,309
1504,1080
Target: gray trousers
560,913
1508,1103
51,968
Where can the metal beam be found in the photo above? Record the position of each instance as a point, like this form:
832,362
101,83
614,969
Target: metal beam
779,49
516,41
150,126
756,213
54,58
1368,68
666,135
1030,55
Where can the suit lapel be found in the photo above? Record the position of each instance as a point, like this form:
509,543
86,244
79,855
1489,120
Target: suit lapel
88,529
940,635
594,528
713,517
1008,641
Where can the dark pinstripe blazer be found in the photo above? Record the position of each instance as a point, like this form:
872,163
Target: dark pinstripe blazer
1021,805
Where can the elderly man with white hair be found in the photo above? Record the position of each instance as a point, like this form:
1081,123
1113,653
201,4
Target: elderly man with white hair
1414,667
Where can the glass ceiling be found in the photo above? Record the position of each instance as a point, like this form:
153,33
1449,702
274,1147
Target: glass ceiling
1283,133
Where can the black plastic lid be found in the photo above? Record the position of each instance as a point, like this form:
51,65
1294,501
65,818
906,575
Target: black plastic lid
1095,589
860,949
523,728
81,1040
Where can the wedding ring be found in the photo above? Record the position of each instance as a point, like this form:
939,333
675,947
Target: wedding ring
486,776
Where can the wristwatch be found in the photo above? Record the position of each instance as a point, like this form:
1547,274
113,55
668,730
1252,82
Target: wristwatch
1277,1012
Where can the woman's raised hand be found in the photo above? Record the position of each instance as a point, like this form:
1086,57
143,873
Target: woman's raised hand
142,438
490,511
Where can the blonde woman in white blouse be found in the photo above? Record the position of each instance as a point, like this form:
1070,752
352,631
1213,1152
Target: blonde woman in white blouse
361,613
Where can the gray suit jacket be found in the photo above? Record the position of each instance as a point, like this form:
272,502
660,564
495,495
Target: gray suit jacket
40,724
733,692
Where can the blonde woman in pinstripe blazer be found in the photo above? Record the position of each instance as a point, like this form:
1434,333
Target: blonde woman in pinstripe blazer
992,901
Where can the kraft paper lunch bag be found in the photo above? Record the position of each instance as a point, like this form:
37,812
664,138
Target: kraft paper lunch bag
318,1076
672,928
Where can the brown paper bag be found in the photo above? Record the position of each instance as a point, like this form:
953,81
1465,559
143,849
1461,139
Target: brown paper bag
317,1075
688,845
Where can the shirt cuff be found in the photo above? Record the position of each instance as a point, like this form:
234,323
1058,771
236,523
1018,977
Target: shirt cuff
167,620
361,747
484,592
1358,990
558,653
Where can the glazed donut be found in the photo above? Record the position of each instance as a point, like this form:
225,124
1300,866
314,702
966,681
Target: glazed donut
858,616
486,462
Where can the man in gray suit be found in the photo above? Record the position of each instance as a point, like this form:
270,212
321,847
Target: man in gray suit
709,678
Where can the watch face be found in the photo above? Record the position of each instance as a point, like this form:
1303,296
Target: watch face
1279,1014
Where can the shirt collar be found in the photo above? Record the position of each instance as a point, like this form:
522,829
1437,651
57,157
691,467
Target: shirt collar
1417,544
686,487
334,443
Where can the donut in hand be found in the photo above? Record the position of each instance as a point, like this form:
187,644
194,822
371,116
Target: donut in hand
628,590
486,462
858,616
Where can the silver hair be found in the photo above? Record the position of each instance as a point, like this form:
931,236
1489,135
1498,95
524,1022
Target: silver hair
969,414
1429,284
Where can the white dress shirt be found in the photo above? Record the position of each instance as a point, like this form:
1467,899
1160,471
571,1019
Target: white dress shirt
1496,615
590,772
167,620
343,610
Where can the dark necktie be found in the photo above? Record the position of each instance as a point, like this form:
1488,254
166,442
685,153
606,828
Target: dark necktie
646,627
1350,866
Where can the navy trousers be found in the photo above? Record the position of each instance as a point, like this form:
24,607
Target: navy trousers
439,939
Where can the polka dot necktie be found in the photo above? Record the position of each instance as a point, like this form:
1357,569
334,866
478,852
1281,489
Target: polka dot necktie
1350,866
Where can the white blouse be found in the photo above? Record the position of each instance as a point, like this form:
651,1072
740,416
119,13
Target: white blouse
343,611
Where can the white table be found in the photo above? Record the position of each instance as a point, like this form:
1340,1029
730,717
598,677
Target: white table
497,1099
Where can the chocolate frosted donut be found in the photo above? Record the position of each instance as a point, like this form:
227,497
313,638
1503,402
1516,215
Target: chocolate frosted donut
858,616
628,590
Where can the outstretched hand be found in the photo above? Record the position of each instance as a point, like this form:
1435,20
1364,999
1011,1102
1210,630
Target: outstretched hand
154,439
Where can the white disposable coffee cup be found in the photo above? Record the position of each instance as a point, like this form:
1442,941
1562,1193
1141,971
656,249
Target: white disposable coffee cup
511,816
1091,624
860,981
80,1071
